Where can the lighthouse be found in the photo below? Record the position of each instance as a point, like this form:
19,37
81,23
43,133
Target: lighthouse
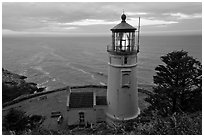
122,90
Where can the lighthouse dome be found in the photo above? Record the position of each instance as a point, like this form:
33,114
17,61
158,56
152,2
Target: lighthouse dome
123,17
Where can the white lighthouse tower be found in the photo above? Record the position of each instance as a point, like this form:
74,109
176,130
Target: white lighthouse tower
122,91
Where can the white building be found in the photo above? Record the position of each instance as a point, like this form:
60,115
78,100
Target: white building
86,107
122,92
121,100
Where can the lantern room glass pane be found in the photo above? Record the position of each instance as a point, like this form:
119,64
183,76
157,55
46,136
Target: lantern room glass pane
123,41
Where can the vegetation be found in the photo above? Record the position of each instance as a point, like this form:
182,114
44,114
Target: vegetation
177,124
179,85
17,122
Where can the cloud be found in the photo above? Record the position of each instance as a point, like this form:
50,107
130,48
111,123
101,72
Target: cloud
184,16
7,31
149,22
136,13
70,28
133,21
87,22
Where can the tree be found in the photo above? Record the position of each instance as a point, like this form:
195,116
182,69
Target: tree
178,84
16,120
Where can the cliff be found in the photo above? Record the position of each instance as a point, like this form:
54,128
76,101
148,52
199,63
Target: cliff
14,85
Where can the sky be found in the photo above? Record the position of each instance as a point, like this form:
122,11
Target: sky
71,18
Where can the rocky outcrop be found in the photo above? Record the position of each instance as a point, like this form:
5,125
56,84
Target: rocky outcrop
14,85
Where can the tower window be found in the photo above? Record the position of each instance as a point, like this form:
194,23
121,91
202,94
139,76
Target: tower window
125,82
125,60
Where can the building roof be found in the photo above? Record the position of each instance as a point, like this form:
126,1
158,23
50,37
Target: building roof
81,100
101,100
123,26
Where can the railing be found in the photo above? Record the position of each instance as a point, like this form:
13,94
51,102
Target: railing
122,49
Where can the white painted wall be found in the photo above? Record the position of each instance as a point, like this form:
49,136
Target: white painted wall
122,102
73,116
91,115
100,113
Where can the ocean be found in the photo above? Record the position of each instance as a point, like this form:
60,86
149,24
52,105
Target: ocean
55,62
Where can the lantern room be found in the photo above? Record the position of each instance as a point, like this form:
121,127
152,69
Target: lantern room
123,38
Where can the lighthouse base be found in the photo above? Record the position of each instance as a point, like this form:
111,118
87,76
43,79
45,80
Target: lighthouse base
115,121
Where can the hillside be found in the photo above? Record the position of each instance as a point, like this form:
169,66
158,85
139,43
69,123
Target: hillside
44,103
14,85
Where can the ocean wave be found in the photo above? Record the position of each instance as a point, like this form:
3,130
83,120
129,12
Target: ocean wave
43,83
36,59
51,52
81,70
24,72
101,83
92,76
88,53
44,54
39,68
53,79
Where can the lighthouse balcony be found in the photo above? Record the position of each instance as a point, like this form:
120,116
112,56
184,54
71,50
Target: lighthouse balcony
122,50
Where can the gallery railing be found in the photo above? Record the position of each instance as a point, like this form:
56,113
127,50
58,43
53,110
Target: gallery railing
122,49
